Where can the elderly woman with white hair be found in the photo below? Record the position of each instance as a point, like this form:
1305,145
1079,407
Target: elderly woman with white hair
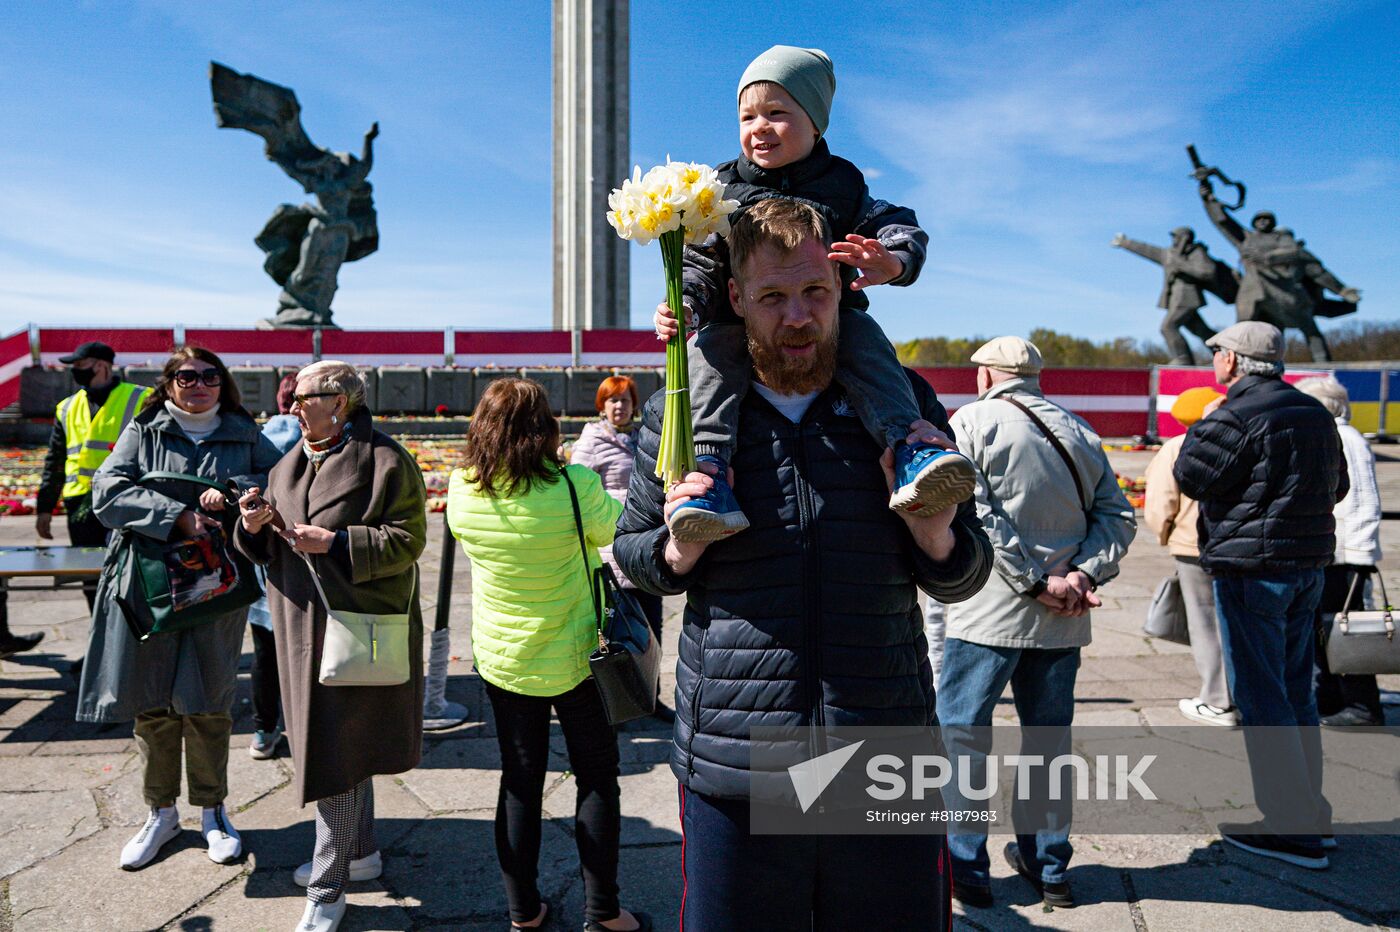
1349,699
348,507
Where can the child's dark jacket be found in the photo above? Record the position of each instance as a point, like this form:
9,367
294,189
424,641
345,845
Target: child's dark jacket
833,186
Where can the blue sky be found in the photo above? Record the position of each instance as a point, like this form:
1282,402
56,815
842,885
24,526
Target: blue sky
1024,135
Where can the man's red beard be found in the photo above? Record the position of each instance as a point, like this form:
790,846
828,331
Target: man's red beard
796,375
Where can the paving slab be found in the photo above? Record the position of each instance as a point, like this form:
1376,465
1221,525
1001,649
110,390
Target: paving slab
261,903
1220,894
457,775
445,870
81,889
649,879
37,824
49,773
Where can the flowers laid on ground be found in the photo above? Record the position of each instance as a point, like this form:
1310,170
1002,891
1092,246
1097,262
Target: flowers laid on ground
20,470
1135,490
437,458
677,203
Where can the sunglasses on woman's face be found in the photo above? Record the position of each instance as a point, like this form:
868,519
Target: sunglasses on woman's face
303,399
188,378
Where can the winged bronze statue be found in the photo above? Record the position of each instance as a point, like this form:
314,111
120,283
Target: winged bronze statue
305,244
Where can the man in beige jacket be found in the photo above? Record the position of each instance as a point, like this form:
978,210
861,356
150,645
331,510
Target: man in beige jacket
1059,527
1172,516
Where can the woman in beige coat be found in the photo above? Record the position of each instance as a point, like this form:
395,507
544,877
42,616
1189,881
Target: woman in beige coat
351,500
1172,516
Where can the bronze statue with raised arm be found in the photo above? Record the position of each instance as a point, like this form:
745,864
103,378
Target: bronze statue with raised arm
1188,272
1283,284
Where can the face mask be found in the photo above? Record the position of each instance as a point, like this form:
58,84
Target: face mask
84,376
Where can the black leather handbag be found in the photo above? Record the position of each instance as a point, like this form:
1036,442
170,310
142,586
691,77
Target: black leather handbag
628,659
1362,642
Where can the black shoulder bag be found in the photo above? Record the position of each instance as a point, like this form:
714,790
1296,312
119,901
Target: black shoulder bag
628,659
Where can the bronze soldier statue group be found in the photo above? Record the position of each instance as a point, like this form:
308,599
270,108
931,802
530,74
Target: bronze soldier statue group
1279,281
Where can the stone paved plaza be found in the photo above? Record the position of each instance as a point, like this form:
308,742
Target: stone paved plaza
70,797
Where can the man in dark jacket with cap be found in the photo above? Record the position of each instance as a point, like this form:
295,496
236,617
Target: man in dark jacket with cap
810,617
1266,467
86,425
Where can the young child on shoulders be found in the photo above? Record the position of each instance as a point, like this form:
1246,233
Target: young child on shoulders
784,105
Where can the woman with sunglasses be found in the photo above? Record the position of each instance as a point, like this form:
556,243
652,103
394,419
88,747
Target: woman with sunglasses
351,504
179,686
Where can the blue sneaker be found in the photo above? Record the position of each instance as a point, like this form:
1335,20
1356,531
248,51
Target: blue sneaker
929,479
712,517
264,746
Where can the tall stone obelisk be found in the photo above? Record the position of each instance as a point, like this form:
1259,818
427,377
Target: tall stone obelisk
590,159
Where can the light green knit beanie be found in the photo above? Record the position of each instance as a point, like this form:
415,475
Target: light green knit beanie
806,74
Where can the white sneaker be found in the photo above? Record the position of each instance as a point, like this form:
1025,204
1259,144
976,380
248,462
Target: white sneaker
1206,714
322,917
368,867
161,826
225,844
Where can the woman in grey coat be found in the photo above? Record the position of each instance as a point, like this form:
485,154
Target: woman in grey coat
179,687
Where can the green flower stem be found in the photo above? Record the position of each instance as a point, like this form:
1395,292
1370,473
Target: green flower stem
676,456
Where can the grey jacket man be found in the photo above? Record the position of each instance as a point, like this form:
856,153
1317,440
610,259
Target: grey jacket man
1026,501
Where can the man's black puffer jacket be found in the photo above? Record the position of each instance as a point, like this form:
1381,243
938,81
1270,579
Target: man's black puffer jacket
1267,468
810,616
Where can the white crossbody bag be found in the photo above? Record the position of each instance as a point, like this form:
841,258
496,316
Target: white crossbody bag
362,649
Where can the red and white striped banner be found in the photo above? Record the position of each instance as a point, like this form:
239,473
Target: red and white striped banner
1113,401
255,347
14,357
385,347
135,347
516,348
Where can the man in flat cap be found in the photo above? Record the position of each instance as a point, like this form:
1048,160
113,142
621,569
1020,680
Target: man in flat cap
1059,526
1266,467
86,425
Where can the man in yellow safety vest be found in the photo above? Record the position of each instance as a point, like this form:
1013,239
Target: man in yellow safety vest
86,425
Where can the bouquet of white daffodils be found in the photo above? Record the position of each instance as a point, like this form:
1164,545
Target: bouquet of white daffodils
677,203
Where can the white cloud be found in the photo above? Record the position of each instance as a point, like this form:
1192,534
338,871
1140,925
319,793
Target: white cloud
1363,176
119,233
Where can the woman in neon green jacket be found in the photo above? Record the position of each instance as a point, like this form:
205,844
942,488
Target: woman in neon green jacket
532,631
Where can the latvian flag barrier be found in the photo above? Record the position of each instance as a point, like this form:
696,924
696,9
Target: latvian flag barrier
1116,402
